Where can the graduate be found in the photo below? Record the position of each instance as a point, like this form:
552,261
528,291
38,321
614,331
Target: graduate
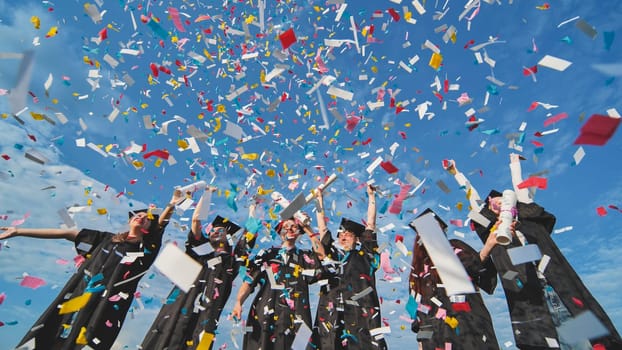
91,307
538,301
189,320
460,321
282,276
348,310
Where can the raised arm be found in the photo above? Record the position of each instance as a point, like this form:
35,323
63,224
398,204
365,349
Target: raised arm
305,222
320,214
463,182
200,210
522,194
44,233
168,210
371,208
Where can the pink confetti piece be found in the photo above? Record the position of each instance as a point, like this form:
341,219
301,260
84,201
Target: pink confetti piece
174,13
555,118
32,282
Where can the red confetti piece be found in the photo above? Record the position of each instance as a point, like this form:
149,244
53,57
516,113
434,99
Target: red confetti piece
388,167
577,302
465,307
6,156
394,14
537,143
533,106
103,34
157,153
530,71
601,211
534,181
154,69
287,38
597,130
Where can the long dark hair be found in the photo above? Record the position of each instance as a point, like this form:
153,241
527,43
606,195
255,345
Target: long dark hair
421,259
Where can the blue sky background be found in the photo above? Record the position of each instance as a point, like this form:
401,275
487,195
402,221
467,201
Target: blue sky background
283,125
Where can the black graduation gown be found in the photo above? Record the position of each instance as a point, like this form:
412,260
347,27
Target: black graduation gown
276,314
348,307
474,330
529,312
112,277
185,317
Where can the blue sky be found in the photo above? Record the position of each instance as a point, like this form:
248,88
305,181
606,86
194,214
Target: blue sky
283,125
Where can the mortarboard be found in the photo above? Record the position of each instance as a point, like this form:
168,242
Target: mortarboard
349,225
230,226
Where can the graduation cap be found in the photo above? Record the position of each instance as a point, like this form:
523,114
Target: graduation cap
349,225
493,194
133,213
441,223
229,225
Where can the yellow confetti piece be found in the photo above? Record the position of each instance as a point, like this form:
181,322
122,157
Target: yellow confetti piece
218,124
250,156
5,115
206,341
144,105
37,116
74,304
296,272
89,201
270,172
451,321
183,144
158,162
453,38
81,339
436,60
52,32
36,22
102,211
137,164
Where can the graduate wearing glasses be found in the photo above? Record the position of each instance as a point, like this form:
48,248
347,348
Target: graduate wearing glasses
349,310
282,276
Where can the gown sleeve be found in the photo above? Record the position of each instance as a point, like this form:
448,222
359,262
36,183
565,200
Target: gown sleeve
482,274
87,240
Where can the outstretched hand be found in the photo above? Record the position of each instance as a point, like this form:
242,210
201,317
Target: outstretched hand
8,232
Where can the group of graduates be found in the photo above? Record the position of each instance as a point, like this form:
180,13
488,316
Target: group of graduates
89,311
